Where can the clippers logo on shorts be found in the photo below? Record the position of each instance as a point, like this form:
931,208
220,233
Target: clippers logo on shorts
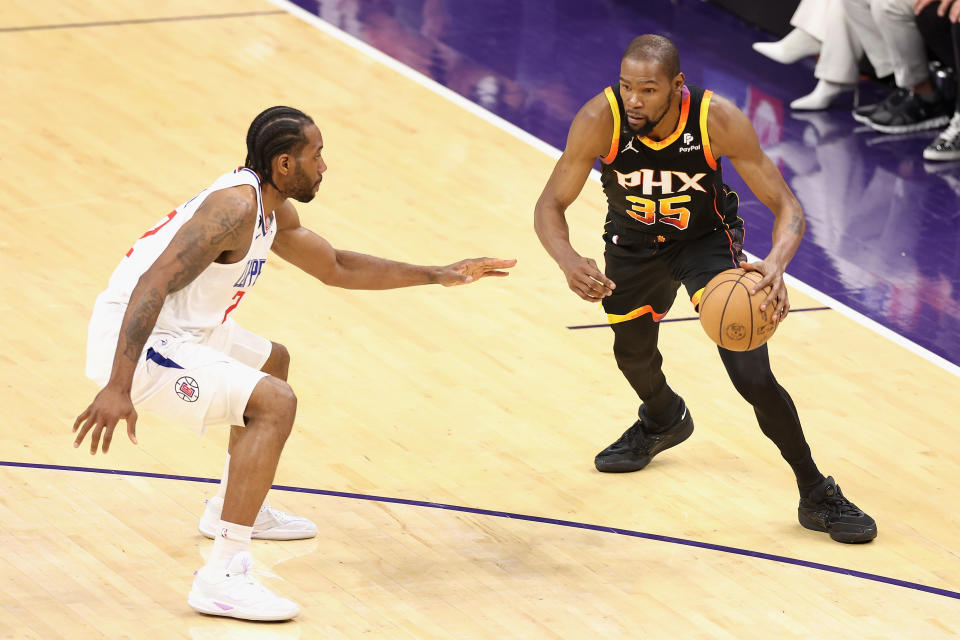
187,389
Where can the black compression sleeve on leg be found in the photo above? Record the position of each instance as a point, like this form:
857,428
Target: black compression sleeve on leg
751,375
635,348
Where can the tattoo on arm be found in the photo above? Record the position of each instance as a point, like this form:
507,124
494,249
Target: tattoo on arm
201,244
796,224
141,323
196,245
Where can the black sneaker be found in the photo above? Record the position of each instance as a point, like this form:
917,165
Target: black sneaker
911,114
863,113
638,444
947,145
825,509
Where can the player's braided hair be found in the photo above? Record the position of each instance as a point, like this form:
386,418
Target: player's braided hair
276,130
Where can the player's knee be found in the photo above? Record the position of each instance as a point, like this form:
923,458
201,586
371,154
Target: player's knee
286,401
635,339
637,357
755,388
273,398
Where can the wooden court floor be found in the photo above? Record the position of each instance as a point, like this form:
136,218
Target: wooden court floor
477,397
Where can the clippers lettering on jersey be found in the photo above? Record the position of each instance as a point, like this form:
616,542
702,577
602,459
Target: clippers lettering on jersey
251,273
646,182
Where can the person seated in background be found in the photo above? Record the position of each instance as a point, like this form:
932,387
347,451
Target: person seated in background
820,27
809,24
938,24
889,34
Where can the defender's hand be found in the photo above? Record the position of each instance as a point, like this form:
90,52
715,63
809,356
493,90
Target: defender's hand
466,271
586,280
102,416
773,277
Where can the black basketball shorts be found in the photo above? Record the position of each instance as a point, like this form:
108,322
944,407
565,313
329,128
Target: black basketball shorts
648,270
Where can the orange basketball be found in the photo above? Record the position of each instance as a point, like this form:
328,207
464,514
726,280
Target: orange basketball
731,316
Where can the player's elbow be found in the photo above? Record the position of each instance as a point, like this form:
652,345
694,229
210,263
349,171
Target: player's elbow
545,212
159,282
333,272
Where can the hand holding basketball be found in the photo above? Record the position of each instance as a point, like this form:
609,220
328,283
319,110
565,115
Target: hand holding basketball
771,276
731,316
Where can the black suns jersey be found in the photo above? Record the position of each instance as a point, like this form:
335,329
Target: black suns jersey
671,188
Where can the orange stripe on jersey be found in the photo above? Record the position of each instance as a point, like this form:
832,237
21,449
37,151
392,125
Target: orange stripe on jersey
695,298
681,125
613,318
729,237
704,137
615,141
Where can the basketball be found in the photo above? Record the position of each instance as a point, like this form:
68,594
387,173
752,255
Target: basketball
732,317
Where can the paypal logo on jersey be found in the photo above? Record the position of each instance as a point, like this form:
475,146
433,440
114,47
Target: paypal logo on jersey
688,140
250,273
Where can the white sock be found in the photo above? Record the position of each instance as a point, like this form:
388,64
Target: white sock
231,539
222,490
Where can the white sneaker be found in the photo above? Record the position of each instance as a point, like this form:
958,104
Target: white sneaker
947,145
822,96
239,595
795,45
271,524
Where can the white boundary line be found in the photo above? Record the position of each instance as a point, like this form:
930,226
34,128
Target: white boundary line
553,152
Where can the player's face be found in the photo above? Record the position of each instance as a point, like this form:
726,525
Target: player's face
309,167
647,93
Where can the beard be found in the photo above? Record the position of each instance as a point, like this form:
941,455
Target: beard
651,124
302,188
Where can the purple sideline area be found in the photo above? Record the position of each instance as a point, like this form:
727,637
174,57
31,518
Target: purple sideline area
519,516
883,226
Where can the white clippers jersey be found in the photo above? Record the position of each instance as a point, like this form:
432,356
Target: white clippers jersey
206,302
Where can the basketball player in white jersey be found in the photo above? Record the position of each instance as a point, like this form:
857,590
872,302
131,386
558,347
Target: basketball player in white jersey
161,339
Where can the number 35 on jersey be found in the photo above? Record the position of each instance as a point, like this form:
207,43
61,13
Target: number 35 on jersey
668,210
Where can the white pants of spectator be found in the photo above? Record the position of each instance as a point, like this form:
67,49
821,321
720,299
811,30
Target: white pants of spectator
890,38
840,49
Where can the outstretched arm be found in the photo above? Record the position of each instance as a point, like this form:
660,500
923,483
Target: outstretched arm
349,270
732,135
223,223
588,139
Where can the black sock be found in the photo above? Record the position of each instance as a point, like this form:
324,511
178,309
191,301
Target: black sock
808,484
668,413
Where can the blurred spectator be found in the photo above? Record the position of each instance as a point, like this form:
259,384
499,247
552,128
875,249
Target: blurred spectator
820,26
938,22
809,24
888,32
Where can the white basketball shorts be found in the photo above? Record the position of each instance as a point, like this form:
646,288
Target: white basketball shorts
197,381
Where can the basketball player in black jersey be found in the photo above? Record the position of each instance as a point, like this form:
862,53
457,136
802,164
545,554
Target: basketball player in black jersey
671,220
